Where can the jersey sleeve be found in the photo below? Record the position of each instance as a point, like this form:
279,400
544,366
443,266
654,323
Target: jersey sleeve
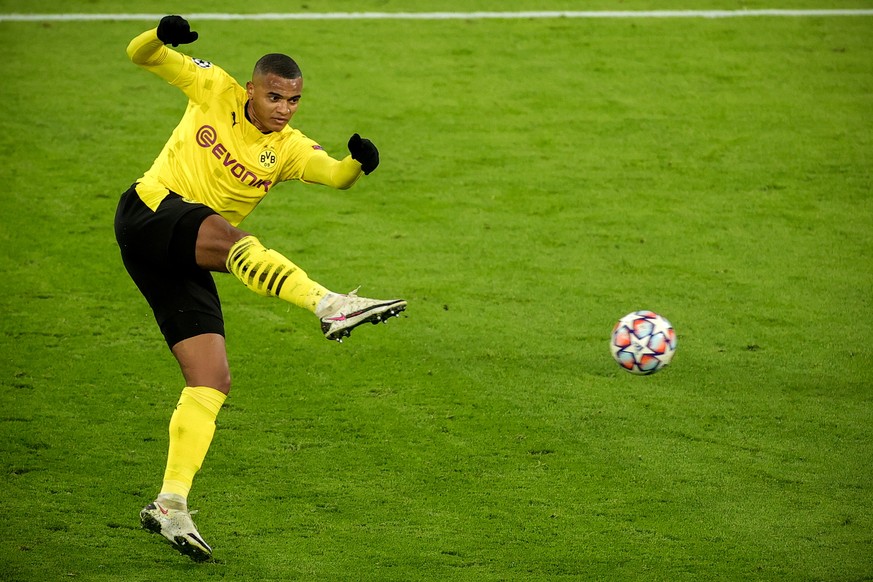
323,169
147,51
297,150
193,76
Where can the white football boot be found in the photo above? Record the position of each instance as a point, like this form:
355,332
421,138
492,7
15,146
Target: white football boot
175,525
340,314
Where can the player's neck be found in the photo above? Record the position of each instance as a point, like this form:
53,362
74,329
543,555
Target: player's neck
249,119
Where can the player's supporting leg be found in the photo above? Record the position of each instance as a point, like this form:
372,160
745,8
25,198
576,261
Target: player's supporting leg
269,273
192,427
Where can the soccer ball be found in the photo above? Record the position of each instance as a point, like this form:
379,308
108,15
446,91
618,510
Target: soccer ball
643,342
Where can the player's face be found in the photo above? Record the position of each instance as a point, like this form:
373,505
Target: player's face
273,100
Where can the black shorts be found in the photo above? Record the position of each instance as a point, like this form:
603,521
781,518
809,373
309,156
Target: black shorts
158,251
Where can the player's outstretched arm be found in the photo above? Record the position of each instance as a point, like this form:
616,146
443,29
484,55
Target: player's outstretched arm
323,169
148,50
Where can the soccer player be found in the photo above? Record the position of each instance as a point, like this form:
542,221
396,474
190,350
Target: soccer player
180,221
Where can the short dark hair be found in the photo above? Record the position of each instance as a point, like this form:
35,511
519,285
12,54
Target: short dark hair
277,64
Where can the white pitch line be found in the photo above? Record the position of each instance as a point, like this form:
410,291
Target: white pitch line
442,15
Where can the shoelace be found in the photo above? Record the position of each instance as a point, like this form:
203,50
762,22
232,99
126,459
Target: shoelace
353,294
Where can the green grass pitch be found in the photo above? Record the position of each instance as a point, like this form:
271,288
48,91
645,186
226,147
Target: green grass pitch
540,178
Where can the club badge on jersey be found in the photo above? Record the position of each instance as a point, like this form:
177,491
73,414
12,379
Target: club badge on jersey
268,158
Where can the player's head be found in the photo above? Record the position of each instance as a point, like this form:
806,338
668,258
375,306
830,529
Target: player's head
274,91
277,64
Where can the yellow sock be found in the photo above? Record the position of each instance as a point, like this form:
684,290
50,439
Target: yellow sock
191,428
268,273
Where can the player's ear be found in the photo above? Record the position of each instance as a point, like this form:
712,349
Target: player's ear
250,89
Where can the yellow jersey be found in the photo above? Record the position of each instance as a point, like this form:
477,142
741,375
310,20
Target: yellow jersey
215,156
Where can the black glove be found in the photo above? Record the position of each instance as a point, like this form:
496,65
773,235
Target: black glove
175,30
364,152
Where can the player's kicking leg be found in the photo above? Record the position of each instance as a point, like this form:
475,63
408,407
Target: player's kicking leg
269,273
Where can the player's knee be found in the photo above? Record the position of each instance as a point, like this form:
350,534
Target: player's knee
223,383
214,241
218,378
220,382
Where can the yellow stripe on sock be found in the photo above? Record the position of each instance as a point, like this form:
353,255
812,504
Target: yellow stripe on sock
269,273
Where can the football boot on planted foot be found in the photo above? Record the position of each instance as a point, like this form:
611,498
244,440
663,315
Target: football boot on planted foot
175,525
